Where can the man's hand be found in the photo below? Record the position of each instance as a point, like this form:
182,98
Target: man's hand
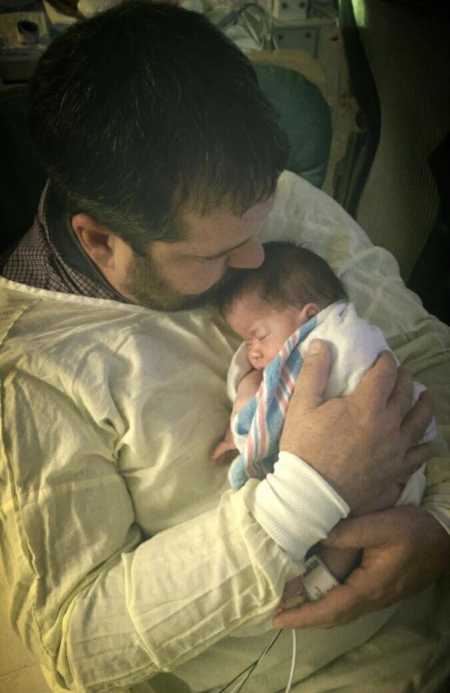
364,443
404,550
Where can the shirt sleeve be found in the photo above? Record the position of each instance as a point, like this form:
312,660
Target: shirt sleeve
97,604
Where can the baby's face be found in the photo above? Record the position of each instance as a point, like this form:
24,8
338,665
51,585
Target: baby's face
263,327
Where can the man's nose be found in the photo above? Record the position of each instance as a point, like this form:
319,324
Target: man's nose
247,256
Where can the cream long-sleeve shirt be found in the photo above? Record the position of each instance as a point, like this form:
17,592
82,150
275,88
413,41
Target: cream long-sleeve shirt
123,552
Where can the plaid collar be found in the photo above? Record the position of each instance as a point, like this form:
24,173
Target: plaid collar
50,257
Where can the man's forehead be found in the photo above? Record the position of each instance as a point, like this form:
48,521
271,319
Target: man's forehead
222,228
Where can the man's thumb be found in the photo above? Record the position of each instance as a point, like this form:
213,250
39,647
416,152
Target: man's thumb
368,531
313,379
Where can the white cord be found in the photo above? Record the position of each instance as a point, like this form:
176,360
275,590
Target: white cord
294,656
241,679
250,669
237,687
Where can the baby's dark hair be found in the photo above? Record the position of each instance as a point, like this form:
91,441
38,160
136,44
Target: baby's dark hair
290,275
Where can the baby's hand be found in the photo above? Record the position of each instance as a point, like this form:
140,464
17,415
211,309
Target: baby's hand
340,562
226,450
247,388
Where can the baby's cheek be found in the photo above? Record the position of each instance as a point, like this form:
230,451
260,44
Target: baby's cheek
270,353
276,345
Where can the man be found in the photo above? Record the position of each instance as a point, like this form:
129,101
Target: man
125,554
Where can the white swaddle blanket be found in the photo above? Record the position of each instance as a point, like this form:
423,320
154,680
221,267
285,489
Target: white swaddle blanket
354,344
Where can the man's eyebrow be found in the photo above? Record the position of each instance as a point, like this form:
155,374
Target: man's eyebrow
224,252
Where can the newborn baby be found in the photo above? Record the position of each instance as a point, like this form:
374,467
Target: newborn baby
277,309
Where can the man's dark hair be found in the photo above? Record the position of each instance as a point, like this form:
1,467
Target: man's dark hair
146,109
289,276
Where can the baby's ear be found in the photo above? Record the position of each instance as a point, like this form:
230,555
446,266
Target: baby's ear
309,310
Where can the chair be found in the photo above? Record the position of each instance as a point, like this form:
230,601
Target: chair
22,177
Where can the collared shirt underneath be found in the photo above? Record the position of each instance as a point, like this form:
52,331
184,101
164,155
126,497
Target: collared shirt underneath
50,257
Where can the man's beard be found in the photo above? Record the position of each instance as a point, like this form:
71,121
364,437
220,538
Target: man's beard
148,288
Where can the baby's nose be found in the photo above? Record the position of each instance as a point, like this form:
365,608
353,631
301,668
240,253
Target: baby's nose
254,350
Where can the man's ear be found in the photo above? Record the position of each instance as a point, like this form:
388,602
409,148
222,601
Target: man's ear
97,240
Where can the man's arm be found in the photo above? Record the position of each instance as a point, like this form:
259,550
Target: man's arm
382,391
347,448
98,605
404,549
371,275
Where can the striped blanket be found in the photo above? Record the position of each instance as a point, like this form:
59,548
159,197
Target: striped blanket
257,426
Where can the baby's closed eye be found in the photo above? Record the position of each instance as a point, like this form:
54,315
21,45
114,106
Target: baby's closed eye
259,336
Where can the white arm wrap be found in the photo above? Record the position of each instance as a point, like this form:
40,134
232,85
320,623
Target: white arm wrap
296,507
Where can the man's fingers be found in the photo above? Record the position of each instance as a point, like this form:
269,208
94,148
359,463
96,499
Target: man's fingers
368,531
379,381
313,379
402,394
416,457
340,605
417,420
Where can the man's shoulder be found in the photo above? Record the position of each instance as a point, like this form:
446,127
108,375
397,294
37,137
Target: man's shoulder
48,321
70,332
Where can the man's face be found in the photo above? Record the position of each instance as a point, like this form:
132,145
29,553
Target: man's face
184,274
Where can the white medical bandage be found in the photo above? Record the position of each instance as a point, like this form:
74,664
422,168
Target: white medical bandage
317,579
